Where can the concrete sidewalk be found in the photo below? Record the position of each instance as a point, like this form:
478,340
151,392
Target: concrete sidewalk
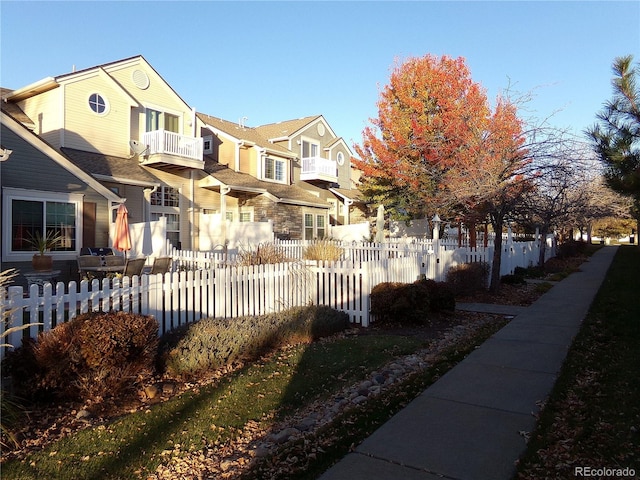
471,424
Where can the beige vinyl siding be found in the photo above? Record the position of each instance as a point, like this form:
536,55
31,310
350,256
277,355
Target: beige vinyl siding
157,94
247,161
46,112
86,130
226,153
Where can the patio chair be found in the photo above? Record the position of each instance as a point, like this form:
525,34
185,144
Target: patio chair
161,265
88,262
114,261
134,266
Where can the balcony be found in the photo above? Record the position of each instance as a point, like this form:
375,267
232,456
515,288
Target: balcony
317,168
172,150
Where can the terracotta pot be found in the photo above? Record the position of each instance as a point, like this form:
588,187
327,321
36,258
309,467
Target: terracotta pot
42,262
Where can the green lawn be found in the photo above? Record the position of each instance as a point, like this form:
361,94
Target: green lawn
592,418
135,444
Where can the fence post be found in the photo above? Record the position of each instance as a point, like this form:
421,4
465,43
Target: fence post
13,312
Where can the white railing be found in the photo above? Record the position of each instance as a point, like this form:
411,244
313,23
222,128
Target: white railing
165,142
318,167
207,285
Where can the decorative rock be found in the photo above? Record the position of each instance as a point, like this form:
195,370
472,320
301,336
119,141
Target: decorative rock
262,452
285,435
168,388
359,399
83,414
151,391
306,424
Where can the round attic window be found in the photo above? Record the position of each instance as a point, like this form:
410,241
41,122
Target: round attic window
140,79
98,104
340,158
321,129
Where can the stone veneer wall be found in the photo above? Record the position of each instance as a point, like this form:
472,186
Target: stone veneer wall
287,219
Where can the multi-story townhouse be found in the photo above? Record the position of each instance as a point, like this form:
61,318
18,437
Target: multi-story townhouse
323,167
127,136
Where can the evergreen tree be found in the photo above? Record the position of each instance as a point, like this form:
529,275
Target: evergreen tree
616,136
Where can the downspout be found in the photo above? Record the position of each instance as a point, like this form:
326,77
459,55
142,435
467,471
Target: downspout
192,213
239,144
147,202
347,203
223,211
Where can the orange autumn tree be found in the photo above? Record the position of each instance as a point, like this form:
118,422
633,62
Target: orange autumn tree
436,146
429,116
493,182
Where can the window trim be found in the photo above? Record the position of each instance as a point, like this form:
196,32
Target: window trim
312,142
163,210
314,216
163,111
205,139
9,194
107,106
276,161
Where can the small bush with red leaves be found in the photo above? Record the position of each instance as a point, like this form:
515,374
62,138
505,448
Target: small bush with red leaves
398,303
93,355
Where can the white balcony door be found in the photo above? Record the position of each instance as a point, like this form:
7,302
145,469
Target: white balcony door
310,149
157,120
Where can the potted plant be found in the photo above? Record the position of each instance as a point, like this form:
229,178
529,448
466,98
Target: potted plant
43,244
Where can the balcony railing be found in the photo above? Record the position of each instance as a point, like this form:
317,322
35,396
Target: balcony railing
317,168
163,142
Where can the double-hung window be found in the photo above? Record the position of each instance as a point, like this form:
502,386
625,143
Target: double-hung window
314,226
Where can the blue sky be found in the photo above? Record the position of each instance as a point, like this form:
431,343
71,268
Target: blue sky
271,61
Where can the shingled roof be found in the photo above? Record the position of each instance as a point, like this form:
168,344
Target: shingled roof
15,111
243,133
245,182
285,128
119,168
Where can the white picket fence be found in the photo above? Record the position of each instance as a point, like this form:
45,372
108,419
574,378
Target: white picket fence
206,285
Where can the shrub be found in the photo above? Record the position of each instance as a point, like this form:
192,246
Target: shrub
441,296
468,278
324,250
94,354
393,302
571,248
513,279
264,253
215,342
530,272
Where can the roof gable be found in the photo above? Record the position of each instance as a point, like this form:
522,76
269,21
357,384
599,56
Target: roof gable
287,128
56,156
243,133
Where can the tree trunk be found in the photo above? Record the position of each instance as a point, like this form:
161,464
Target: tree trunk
473,238
543,246
496,262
